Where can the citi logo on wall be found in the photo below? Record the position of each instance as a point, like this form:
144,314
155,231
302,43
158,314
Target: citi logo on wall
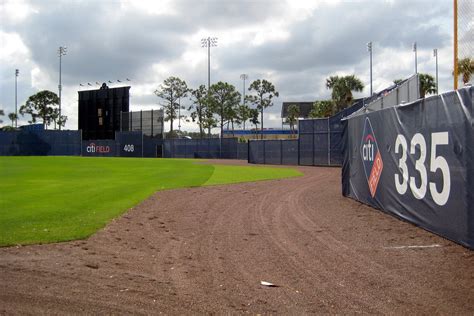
371,157
93,148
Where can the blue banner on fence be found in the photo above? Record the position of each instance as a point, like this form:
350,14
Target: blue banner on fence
129,144
417,162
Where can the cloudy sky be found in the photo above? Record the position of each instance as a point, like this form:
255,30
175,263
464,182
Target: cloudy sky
294,44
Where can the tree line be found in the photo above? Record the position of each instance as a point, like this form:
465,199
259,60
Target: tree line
42,106
220,105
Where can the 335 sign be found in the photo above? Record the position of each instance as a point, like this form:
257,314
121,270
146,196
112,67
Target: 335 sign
437,163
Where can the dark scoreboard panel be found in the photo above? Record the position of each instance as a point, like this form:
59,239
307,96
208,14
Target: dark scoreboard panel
99,111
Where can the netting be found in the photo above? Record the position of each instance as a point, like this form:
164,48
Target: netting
465,29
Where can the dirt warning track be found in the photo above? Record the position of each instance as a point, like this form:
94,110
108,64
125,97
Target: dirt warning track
206,250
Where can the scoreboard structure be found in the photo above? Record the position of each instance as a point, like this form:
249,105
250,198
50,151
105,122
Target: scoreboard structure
100,111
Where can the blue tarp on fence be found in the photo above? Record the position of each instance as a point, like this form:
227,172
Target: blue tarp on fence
40,143
416,161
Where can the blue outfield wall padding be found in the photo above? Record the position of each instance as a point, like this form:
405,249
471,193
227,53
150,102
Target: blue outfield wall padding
416,161
40,143
205,148
129,144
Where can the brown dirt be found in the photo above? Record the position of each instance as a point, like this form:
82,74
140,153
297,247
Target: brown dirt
205,250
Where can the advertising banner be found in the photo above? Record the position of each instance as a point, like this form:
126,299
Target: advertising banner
100,148
416,161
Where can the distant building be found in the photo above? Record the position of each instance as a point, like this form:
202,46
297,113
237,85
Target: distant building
268,133
305,108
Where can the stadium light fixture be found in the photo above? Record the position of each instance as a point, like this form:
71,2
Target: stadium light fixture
208,43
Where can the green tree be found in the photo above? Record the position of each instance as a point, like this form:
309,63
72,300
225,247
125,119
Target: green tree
2,113
265,92
171,92
224,99
293,115
56,119
199,105
397,81
254,113
427,84
466,69
243,114
342,88
12,116
40,106
322,109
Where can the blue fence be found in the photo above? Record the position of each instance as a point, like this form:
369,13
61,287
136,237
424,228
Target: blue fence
40,143
126,144
275,152
319,143
226,148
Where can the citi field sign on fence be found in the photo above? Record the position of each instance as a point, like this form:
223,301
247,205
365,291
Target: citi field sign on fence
416,162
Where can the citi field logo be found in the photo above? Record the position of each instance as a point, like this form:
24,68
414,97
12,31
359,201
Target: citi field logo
93,148
371,157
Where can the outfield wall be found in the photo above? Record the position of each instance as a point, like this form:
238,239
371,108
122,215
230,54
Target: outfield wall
40,143
125,144
416,161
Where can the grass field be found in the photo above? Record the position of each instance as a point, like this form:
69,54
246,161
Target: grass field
50,199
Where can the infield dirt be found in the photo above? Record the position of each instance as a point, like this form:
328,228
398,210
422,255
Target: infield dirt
206,250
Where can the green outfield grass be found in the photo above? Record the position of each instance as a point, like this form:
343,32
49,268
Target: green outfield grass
50,199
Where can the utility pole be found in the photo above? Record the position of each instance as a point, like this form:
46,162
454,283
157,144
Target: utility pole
17,72
416,59
435,54
369,48
61,52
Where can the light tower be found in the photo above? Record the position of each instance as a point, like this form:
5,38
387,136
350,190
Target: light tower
61,52
17,72
208,42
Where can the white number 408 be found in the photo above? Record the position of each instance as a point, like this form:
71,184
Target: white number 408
436,162
129,148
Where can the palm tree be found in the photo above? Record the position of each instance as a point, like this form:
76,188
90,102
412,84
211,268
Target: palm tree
466,68
342,88
12,117
293,115
427,85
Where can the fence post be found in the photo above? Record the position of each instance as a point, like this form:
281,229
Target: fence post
264,156
248,151
281,151
329,144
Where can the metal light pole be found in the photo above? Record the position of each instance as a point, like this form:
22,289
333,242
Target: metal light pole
435,54
416,59
208,42
243,77
17,72
61,52
369,48
179,115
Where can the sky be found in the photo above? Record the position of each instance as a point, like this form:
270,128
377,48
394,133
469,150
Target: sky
294,44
